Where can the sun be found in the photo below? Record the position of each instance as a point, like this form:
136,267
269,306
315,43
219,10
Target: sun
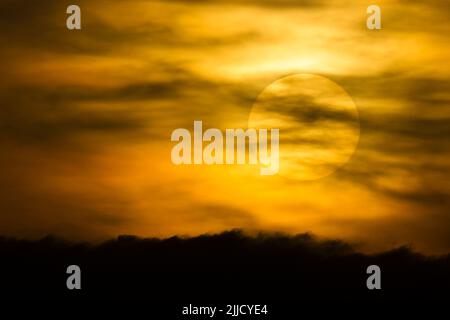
318,122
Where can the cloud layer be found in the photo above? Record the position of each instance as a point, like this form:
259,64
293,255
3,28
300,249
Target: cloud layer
86,118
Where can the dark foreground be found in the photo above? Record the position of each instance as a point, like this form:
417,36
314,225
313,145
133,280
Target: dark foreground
229,268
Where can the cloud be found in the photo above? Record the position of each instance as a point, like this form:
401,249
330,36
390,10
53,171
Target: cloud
135,110
263,3
86,116
42,28
39,117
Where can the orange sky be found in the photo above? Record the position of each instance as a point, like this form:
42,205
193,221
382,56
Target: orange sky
86,118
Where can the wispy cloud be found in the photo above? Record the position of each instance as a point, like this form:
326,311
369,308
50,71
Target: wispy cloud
86,117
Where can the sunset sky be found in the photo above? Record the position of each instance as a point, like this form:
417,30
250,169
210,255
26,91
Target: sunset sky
86,118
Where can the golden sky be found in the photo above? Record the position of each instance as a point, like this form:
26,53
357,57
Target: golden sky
86,118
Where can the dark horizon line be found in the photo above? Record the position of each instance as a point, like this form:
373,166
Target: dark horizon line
260,237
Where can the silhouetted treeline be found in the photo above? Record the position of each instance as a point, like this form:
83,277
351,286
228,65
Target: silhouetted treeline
229,266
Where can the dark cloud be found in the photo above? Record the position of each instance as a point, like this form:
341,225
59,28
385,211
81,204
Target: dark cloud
41,27
305,110
419,119
142,109
397,84
40,117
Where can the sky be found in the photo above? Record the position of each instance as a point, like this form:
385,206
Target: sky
86,118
